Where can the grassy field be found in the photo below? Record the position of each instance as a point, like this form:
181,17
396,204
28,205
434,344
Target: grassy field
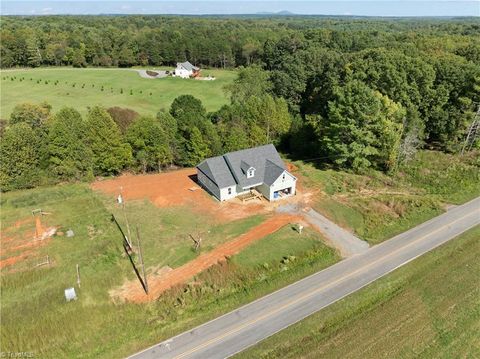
80,88
428,309
376,206
36,318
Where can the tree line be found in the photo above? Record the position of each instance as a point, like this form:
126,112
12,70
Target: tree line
40,147
209,41
359,94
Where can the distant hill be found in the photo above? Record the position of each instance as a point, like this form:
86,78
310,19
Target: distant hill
282,12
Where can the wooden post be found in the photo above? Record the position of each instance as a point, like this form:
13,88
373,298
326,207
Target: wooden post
78,275
140,257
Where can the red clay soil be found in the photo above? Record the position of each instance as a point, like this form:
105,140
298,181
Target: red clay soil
176,188
133,292
18,247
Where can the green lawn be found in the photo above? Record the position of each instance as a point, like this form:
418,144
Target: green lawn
148,95
35,317
428,309
377,206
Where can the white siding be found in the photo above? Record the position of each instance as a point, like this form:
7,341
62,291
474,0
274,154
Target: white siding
181,72
224,193
284,181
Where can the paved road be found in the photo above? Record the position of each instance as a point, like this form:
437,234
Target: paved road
247,325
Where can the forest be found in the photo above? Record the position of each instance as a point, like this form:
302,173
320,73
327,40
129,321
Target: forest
359,94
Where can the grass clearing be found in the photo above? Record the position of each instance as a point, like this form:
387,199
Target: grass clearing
82,88
35,317
377,207
428,308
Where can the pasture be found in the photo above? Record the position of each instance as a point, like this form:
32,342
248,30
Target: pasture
82,88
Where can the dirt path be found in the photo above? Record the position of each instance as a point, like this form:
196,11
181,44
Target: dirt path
133,292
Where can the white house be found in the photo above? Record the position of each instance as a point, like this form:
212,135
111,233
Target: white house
236,173
186,70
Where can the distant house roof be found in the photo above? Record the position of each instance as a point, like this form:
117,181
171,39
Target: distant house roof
187,66
230,169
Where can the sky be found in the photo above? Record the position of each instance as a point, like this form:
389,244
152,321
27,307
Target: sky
222,7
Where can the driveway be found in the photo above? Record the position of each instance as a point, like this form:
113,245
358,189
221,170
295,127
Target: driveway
346,242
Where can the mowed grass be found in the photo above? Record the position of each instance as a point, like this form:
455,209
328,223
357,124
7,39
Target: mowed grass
377,206
82,88
36,318
429,308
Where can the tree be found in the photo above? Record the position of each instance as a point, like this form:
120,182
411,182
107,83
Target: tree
20,158
33,115
362,128
126,58
123,117
149,144
170,127
196,148
69,155
251,82
188,111
110,154
271,115
33,53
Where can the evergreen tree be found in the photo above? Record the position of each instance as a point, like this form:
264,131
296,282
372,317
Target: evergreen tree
110,154
69,155
33,115
196,148
362,128
20,158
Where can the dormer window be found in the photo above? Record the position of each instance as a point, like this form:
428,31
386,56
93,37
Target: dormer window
251,172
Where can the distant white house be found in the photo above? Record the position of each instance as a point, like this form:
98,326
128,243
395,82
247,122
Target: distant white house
186,70
237,173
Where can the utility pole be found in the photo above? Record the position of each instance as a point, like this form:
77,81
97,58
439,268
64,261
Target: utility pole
122,202
140,257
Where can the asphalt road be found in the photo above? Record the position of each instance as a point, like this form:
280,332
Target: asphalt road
247,325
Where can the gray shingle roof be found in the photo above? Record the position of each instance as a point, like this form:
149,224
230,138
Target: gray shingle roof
188,66
217,170
229,169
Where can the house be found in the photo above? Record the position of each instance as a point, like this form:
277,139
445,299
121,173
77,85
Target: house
237,173
186,70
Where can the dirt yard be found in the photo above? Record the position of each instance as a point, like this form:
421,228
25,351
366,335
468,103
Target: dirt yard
132,291
178,188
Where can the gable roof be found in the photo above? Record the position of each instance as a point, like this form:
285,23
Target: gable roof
230,169
216,169
187,66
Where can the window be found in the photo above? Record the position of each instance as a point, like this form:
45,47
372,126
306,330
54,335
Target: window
229,190
283,177
250,173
